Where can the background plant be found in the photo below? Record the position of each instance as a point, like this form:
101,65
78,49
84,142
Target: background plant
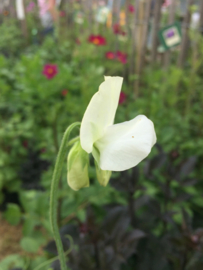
150,216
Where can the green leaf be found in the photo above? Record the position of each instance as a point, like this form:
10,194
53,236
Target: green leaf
29,244
151,189
12,214
37,261
13,260
198,201
29,200
14,186
29,225
81,215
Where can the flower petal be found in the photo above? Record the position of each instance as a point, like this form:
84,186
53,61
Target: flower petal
124,145
100,112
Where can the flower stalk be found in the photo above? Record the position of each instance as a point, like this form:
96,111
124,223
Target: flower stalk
53,193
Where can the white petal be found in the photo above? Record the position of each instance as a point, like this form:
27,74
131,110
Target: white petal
100,112
124,145
20,9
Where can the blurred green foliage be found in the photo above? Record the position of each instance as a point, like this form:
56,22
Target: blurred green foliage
12,35
34,112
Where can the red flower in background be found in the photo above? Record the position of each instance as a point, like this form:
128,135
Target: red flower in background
117,29
122,57
50,71
110,55
64,92
62,13
131,8
97,40
122,98
25,144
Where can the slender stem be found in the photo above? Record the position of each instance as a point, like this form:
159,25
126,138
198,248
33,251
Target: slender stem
55,138
56,258
60,187
53,194
73,141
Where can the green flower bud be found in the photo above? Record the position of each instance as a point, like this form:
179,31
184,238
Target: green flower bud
78,162
102,176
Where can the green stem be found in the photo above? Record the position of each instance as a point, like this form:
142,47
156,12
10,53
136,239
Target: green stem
73,141
53,193
55,258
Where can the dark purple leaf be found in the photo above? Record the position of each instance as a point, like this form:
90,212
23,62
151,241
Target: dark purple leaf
141,201
116,221
186,168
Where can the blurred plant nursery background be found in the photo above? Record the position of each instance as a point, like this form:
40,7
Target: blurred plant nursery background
53,56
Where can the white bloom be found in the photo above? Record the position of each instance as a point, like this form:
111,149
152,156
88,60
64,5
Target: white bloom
20,10
115,147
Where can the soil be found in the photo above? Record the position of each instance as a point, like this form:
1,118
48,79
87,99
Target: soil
9,239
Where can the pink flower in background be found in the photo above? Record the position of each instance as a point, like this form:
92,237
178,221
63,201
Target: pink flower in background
30,6
131,8
50,71
43,6
97,40
64,92
195,238
122,57
166,3
102,3
62,13
122,98
117,29
110,55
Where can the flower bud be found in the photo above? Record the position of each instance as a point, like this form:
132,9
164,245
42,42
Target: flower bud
102,176
78,162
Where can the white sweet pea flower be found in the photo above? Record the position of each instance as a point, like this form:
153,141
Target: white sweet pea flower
115,147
